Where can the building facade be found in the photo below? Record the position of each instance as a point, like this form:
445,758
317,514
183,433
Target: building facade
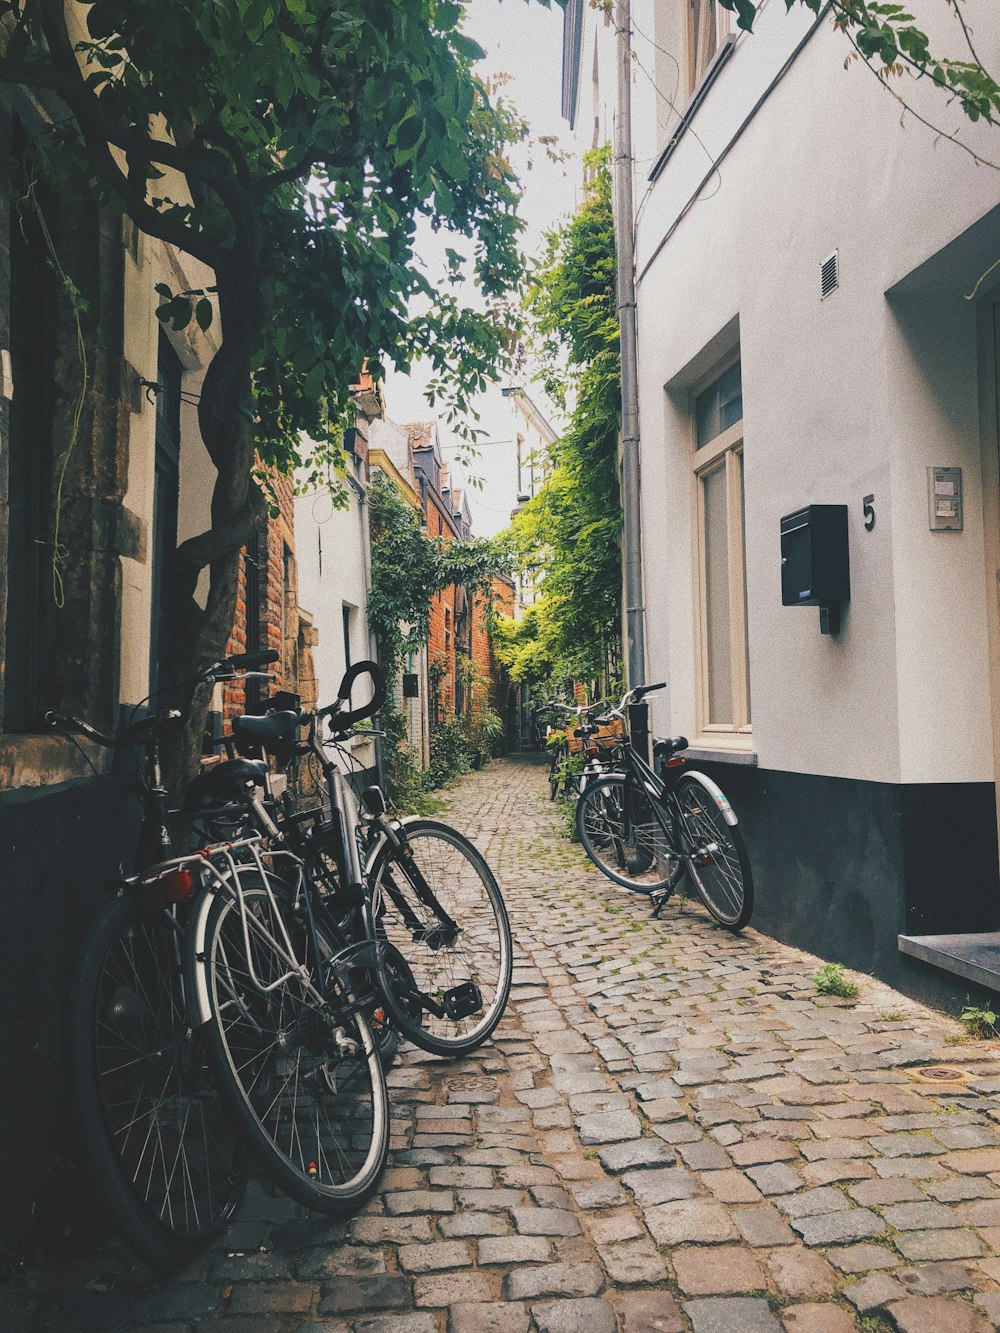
817,326
102,475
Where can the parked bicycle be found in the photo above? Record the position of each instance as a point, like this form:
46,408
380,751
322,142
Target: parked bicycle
570,741
162,1153
646,829
260,959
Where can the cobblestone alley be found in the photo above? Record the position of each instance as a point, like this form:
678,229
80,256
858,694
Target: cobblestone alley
671,1131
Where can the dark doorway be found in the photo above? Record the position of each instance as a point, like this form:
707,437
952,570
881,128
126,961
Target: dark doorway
165,497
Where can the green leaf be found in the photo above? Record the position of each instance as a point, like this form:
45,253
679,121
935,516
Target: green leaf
203,313
408,131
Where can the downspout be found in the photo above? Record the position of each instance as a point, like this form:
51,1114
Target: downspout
635,637
366,579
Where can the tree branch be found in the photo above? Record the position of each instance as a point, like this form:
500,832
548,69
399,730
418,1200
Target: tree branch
206,165
967,35
943,134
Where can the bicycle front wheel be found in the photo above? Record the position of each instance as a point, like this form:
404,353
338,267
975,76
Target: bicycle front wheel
620,832
298,1066
555,772
438,906
717,858
165,1157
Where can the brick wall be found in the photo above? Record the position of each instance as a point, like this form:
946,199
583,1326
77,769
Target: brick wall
441,639
483,656
284,626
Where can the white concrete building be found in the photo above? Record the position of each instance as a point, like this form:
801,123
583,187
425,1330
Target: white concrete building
334,575
805,257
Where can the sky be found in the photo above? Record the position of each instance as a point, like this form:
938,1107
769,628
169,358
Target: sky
524,41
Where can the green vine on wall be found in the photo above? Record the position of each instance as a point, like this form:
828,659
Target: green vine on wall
409,569
567,538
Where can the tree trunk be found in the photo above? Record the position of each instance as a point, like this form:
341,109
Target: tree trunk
199,633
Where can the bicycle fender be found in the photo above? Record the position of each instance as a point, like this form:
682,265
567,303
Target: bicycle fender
716,793
198,928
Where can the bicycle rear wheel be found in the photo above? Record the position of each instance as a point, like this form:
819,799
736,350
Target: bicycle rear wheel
717,858
626,844
438,906
299,1068
166,1161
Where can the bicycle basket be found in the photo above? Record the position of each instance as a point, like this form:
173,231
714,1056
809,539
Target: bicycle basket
606,737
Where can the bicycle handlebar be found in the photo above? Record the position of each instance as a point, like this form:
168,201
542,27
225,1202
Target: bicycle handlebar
635,696
345,718
244,661
51,720
225,669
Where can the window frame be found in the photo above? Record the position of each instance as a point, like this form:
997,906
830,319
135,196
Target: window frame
725,450
723,28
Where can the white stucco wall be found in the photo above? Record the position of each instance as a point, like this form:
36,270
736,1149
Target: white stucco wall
155,263
843,397
331,548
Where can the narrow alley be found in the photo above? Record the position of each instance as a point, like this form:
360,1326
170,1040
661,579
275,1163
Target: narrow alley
671,1131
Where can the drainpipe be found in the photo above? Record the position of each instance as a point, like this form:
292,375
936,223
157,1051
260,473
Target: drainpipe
361,494
635,641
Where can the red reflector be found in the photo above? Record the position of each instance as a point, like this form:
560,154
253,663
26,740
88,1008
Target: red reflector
162,890
592,751
676,761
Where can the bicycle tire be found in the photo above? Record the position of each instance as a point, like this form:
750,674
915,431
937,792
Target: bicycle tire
294,1069
166,1163
554,773
638,860
724,883
467,892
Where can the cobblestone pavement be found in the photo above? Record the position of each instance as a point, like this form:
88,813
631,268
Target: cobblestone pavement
671,1131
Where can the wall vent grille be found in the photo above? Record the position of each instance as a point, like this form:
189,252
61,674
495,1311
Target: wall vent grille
829,275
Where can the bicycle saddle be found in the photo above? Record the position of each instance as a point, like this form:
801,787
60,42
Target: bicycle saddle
665,748
268,727
225,782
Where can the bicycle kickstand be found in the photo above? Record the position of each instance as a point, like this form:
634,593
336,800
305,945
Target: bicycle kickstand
659,900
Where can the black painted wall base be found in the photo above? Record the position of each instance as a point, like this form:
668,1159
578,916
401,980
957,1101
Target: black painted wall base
842,867
57,846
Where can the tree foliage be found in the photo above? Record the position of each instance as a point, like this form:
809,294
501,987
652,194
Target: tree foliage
568,536
888,33
292,146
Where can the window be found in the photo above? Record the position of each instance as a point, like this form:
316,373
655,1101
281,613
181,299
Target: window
724,666
347,612
708,24
29,480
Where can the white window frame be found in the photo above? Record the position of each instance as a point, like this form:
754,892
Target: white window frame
727,449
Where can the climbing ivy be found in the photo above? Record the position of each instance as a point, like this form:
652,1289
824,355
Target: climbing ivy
567,538
409,569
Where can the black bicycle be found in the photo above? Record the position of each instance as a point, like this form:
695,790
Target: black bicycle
644,829
163,1154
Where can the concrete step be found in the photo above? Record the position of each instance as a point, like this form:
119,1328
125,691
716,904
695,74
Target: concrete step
975,957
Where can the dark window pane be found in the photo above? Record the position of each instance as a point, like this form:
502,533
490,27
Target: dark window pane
29,553
719,406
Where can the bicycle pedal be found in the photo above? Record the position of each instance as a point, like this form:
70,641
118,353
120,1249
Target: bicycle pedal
462,1001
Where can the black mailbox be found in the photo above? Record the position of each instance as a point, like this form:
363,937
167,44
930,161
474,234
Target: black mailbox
411,685
815,565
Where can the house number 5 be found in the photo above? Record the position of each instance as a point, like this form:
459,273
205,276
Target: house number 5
869,503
